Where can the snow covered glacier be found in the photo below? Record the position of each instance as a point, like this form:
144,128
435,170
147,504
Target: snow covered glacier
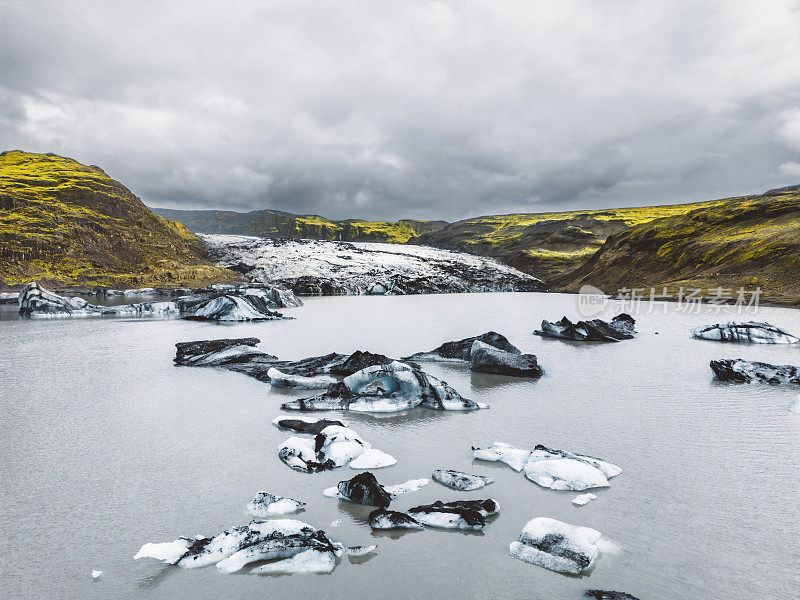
315,267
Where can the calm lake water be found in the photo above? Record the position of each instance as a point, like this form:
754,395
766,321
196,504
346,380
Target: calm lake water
106,445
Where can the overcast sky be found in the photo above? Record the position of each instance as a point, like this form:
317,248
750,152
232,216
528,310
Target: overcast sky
405,109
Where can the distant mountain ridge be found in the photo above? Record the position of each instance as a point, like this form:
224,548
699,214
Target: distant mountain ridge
62,222
279,224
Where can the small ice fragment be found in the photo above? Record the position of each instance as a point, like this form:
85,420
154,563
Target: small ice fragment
794,405
336,522
356,551
582,499
96,574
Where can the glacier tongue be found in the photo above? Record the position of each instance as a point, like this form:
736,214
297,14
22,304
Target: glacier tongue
323,268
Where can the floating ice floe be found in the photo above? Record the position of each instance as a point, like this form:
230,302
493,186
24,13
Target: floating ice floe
582,499
737,370
505,453
751,332
554,469
285,380
621,327
458,480
462,514
609,595
241,355
364,488
556,546
35,301
238,546
359,551
96,574
308,562
269,505
335,446
488,359
794,405
373,459
460,351
386,388
233,308
382,518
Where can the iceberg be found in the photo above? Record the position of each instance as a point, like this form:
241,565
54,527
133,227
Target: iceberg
386,388
505,453
582,499
557,546
737,370
460,351
488,359
269,505
465,514
382,518
621,327
751,332
458,480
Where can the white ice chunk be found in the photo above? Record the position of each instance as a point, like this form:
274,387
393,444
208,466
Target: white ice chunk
373,459
499,451
556,545
284,380
356,551
582,499
412,485
168,552
96,574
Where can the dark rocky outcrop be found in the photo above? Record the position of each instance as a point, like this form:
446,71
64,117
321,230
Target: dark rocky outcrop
488,359
737,370
461,349
621,327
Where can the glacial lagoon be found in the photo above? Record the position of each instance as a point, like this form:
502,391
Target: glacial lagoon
106,445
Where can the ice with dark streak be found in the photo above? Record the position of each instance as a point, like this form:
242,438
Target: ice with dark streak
751,332
557,546
619,328
462,514
458,480
382,518
460,351
365,489
266,505
386,388
737,370
234,548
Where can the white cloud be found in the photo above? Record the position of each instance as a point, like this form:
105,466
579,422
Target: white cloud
410,109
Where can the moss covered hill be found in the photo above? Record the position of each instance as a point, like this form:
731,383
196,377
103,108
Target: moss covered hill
64,223
546,245
278,224
751,242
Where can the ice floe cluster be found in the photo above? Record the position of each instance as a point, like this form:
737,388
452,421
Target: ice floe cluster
224,304
736,370
553,469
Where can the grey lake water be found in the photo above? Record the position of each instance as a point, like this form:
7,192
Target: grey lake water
105,445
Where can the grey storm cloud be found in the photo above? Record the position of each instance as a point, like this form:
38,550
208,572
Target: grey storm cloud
410,109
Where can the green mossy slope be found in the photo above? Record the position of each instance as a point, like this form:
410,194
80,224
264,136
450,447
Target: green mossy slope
278,224
749,242
64,223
